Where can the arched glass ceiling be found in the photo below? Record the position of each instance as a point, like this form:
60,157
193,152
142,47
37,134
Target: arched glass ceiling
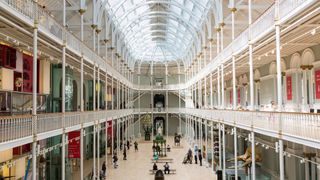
158,30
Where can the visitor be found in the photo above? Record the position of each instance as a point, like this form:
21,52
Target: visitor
135,146
128,144
115,160
153,148
104,168
155,167
200,157
196,157
124,153
168,148
166,168
190,156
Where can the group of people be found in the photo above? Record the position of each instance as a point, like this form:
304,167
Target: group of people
126,146
197,156
157,149
165,166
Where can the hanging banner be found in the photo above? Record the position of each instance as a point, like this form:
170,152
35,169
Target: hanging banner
109,129
109,134
289,88
317,81
239,96
74,145
231,97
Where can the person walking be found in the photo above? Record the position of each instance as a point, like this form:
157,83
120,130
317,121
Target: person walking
124,153
115,160
135,146
200,157
104,168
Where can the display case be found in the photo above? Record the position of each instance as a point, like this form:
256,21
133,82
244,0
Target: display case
8,57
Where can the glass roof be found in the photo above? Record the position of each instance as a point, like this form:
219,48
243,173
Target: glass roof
158,30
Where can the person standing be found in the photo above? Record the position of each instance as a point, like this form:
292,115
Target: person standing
104,168
196,157
128,144
124,153
200,157
190,156
135,146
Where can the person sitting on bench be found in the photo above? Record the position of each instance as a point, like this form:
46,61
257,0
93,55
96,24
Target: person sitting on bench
155,167
166,168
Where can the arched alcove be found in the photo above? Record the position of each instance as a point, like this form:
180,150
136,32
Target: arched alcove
295,61
307,57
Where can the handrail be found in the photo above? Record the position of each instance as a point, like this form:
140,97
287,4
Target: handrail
304,126
261,25
51,27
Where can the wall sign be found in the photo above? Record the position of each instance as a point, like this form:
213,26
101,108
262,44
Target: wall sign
289,88
317,83
74,145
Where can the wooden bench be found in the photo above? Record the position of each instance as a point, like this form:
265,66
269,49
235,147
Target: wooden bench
172,171
164,160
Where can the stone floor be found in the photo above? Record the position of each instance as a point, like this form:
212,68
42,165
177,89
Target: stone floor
139,163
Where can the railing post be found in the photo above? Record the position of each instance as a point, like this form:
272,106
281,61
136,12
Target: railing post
94,150
34,92
224,151
235,138
220,153
98,148
253,149
112,138
81,151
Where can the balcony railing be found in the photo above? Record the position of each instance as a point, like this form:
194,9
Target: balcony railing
16,127
49,26
296,125
302,126
171,87
263,25
14,103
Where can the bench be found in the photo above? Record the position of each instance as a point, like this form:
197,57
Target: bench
172,171
162,160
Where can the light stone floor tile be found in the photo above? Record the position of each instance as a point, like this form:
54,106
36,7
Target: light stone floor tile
138,165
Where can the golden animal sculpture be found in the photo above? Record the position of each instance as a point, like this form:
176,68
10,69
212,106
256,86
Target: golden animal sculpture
247,157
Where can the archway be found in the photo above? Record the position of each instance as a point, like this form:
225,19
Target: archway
159,126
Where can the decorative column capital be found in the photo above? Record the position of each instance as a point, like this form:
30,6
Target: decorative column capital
304,67
93,26
81,11
233,9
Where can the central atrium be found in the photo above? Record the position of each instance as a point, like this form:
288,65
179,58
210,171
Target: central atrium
159,89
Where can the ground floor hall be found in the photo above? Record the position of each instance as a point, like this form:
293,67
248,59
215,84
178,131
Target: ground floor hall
138,165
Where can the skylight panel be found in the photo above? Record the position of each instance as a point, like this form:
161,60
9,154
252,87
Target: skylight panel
167,40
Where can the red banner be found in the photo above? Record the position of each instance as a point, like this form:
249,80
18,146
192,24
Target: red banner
231,97
74,145
289,88
317,81
109,130
239,96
